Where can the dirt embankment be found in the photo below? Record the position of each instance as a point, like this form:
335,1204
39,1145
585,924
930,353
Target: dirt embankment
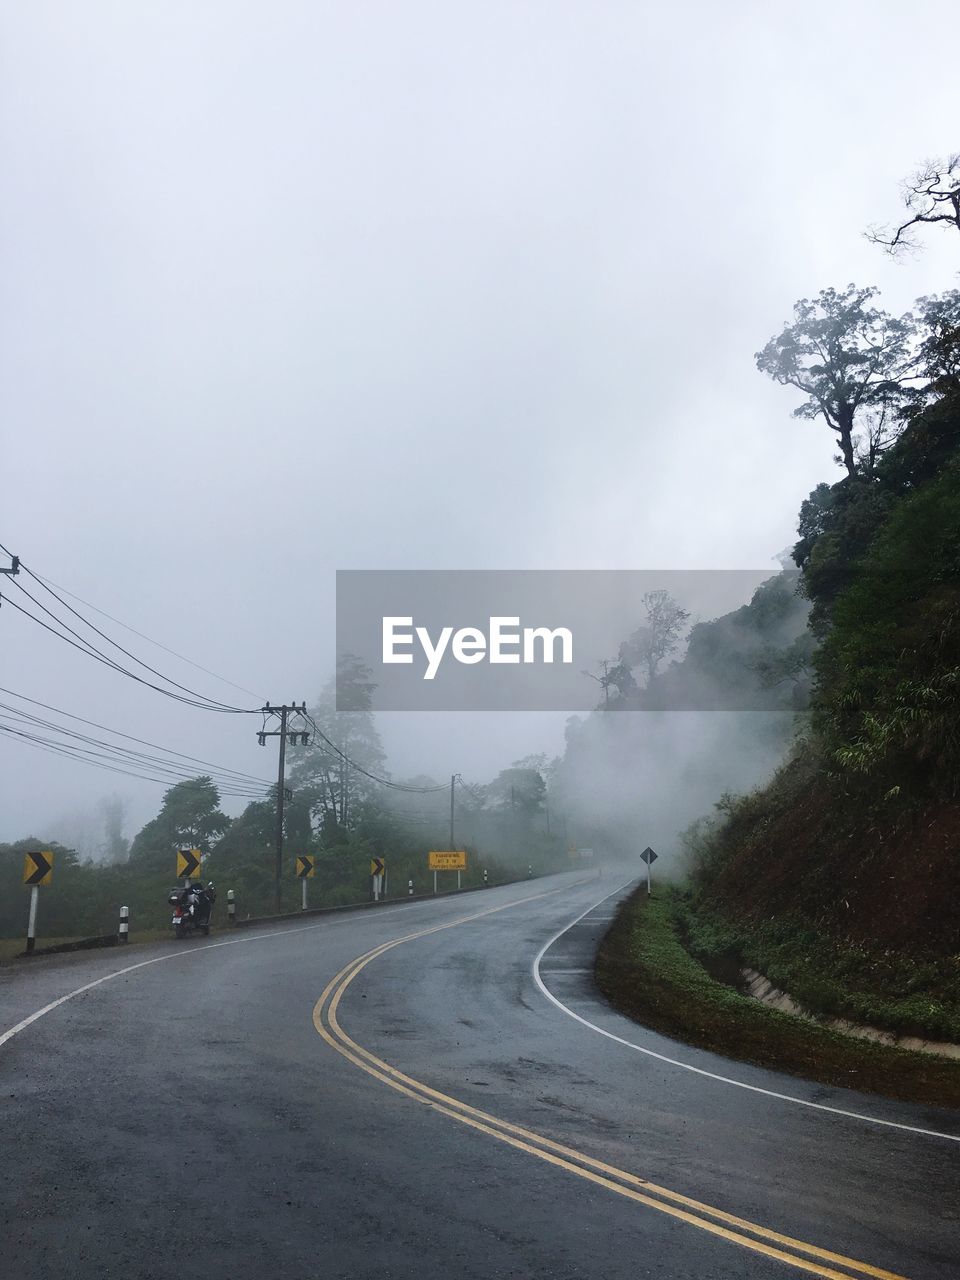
885,880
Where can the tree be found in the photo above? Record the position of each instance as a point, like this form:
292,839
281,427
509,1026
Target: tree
938,349
251,838
931,195
115,845
850,360
519,790
603,680
335,790
190,816
658,637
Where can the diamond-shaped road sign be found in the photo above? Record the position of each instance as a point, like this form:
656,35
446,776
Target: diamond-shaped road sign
377,866
38,867
648,856
188,863
306,865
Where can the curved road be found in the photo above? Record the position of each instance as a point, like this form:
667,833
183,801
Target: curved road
407,1092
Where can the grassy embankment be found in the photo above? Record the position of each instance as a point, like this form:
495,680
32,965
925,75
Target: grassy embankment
11,948
644,968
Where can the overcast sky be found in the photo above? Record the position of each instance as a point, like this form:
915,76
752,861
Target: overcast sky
296,286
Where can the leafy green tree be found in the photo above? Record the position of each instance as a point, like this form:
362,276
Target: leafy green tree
518,794
850,360
189,816
888,692
837,524
938,352
251,837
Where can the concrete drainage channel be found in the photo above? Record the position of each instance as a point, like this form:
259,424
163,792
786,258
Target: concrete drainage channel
761,988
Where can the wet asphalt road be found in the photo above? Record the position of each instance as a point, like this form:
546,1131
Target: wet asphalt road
188,1117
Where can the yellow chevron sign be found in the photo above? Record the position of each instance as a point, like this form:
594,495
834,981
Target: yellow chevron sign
188,863
38,867
306,865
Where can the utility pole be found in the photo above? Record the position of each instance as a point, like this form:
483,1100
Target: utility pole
14,567
453,781
283,713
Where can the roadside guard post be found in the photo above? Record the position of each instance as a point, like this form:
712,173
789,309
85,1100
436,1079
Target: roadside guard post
37,870
231,906
410,888
649,857
124,934
446,860
306,870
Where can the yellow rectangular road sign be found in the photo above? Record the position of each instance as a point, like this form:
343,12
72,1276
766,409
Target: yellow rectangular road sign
449,860
306,865
38,867
188,863
377,866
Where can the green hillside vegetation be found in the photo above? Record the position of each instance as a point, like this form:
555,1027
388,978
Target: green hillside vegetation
858,831
839,879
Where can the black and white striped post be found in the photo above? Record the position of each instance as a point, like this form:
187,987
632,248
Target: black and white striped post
32,919
485,877
231,907
123,935
530,869
410,888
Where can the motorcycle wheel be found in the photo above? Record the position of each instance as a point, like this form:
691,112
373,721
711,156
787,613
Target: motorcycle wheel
179,931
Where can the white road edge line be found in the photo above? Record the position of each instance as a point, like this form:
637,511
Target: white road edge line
700,1071
192,951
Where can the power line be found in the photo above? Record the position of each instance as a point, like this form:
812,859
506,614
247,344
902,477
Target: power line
64,749
383,782
103,635
49,582
237,773
195,698
122,755
91,651
126,755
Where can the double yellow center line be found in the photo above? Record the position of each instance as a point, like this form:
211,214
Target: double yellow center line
738,1231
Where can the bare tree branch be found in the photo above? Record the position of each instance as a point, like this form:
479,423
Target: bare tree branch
932,195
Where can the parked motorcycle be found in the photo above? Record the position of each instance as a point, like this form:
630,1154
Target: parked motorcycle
192,906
